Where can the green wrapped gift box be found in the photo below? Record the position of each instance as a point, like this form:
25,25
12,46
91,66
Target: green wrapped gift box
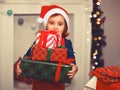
44,70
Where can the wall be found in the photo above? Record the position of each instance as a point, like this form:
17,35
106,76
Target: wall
81,39
112,31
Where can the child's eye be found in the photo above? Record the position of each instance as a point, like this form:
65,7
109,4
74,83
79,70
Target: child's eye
51,23
60,24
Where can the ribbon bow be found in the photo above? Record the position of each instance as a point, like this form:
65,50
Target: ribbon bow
48,39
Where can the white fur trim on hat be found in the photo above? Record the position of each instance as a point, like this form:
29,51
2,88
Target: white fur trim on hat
40,20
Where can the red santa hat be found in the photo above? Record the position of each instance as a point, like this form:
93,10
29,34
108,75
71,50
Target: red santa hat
47,11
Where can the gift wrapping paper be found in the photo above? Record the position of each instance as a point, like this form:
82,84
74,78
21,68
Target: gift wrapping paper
41,70
46,54
48,39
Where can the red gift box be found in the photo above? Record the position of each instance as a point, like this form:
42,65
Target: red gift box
58,54
48,39
46,54
39,53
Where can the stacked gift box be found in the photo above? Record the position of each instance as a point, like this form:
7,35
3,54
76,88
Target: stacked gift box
48,60
41,70
47,54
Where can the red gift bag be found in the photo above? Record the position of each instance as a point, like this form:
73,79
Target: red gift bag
103,86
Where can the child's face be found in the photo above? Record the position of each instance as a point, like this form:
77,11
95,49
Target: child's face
57,23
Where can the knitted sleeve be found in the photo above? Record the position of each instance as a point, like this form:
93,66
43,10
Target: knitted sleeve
69,46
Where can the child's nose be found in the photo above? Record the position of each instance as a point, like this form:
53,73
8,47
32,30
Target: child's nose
55,26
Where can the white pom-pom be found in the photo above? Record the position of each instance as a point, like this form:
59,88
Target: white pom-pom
40,20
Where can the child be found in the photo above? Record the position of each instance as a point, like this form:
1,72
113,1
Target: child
55,18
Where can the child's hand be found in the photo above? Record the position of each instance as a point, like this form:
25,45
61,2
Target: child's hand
18,70
72,72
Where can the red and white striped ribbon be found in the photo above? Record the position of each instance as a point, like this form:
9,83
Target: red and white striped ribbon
37,38
53,41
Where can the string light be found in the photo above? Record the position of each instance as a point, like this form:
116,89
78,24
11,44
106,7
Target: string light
96,52
98,19
94,15
98,3
90,16
97,12
95,38
99,38
94,57
98,44
98,22
96,63
93,67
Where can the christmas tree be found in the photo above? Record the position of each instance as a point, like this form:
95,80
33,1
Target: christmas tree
98,37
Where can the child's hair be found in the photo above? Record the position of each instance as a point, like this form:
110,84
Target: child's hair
65,32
